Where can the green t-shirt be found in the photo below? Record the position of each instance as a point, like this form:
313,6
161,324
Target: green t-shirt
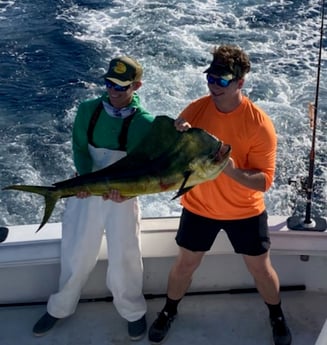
106,131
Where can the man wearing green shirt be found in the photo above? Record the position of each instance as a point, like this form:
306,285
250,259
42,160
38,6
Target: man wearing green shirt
105,129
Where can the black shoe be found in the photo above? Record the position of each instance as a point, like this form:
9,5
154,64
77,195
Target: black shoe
44,324
281,332
137,329
160,327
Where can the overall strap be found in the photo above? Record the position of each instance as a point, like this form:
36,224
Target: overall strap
123,133
93,121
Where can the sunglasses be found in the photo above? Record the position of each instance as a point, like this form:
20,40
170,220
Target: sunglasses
116,87
219,81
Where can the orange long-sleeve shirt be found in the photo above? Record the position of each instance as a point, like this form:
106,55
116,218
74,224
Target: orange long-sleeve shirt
252,136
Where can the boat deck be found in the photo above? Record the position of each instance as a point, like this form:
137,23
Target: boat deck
30,266
208,319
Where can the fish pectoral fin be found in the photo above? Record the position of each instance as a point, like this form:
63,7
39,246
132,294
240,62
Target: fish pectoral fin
183,190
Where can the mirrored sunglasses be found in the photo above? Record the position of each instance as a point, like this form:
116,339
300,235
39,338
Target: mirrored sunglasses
116,87
219,81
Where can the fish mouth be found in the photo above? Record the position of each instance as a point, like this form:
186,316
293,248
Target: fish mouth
222,152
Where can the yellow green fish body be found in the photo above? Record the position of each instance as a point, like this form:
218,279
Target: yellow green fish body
165,160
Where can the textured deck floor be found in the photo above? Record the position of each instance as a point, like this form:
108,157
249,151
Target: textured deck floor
222,319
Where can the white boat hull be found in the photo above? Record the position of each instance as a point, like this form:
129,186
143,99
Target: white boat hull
30,262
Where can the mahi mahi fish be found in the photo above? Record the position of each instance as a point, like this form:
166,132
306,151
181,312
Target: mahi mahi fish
165,160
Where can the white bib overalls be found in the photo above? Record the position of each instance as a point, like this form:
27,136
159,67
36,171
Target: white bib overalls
83,225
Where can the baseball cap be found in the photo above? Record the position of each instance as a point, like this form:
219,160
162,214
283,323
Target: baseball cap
220,69
124,70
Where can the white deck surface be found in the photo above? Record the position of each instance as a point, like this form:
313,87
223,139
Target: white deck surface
221,319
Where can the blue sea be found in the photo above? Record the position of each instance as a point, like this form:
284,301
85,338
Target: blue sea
53,54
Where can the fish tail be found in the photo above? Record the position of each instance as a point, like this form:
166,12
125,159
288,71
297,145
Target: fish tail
48,193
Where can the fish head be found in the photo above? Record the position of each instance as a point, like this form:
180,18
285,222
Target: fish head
209,156
210,166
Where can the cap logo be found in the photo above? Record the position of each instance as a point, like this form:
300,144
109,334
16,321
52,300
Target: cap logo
120,68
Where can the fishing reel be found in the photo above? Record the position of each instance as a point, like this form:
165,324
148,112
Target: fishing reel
300,183
299,193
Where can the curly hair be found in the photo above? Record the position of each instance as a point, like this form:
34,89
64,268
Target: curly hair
233,57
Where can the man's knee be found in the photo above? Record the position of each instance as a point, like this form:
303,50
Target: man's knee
259,266
187,261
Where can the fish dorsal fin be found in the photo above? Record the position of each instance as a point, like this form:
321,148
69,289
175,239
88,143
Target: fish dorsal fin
160,139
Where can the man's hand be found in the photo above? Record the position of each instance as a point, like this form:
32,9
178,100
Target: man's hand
114,195
83,194
230,167
182,125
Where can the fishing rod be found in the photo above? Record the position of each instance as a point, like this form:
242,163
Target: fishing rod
309,223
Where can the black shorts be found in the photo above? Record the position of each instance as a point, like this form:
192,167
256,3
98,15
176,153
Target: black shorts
249,236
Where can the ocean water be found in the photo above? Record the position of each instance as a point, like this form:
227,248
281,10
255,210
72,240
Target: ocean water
53,54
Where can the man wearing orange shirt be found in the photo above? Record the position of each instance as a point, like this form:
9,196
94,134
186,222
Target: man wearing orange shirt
235,200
